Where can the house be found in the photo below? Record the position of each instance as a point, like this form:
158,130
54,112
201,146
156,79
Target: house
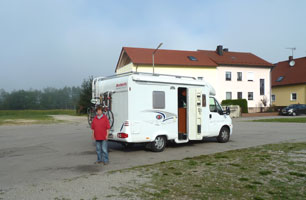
235,75
289,82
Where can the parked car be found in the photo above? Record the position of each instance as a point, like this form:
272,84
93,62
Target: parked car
293,109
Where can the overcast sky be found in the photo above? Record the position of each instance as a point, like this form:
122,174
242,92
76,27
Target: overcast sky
59,43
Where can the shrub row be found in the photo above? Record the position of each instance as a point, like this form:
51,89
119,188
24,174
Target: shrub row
243,103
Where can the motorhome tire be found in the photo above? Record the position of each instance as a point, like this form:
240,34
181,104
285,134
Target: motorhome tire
224,135
159,144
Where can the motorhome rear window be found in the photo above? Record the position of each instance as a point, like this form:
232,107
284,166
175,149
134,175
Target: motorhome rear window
158,100
203,100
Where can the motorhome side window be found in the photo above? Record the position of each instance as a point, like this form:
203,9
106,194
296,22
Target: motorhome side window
214,105
158,100
203,100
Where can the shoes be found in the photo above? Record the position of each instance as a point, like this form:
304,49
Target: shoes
101,162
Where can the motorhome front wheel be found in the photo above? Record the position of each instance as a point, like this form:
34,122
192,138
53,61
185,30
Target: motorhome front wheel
224,135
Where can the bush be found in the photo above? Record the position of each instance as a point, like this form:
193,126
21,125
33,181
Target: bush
85,96
243,103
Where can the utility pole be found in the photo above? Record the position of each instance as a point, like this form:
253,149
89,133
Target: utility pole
154,53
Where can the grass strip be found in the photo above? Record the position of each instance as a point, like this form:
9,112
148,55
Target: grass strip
284,120
31,116
275,171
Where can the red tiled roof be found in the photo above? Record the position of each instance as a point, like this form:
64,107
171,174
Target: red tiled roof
167,57
292,75
236,58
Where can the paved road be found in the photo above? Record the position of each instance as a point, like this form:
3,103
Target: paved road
40,153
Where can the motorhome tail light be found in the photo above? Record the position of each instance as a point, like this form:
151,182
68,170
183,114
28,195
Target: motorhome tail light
123,135
126,123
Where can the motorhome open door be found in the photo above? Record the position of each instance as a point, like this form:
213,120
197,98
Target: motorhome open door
194,113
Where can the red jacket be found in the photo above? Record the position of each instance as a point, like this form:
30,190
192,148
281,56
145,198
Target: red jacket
100,126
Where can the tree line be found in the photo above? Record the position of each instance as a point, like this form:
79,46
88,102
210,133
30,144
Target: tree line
77,98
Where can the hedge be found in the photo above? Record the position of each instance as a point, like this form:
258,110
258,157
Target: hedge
243,103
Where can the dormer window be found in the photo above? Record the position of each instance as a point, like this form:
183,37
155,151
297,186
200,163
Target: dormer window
192,58
280,79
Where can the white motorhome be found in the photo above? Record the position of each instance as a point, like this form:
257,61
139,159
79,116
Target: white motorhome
155,108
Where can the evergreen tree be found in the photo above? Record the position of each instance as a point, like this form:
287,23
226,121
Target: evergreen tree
85,95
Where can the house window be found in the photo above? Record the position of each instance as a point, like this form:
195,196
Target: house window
262,86
192,58
239,95
279,79
158,100
250,76
250,95
228,95
293,96
228,76
273,97
239,76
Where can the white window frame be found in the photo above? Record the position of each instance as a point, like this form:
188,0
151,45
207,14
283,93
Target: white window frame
273,97
226,95
291,95
226,76
250,76
238,76
252,96
241,95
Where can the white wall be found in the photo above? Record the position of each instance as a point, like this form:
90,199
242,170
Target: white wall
209,73
126,68
243,86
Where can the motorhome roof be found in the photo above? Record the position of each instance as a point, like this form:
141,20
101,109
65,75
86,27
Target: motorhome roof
146,74
163,78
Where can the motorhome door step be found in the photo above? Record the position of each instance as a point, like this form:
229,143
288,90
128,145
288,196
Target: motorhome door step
182,136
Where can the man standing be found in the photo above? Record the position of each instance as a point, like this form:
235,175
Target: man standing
100,130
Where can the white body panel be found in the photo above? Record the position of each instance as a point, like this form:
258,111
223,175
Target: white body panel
132,106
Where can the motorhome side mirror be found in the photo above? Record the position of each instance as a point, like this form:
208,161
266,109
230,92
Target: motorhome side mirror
228,111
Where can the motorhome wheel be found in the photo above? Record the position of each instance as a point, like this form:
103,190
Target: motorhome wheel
224,135
158,144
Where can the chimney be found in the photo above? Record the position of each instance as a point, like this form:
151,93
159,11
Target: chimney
225,50
219,50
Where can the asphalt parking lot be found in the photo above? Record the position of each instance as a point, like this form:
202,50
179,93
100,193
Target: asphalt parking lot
33,154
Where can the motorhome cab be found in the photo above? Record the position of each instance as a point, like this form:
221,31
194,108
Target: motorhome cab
154,109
